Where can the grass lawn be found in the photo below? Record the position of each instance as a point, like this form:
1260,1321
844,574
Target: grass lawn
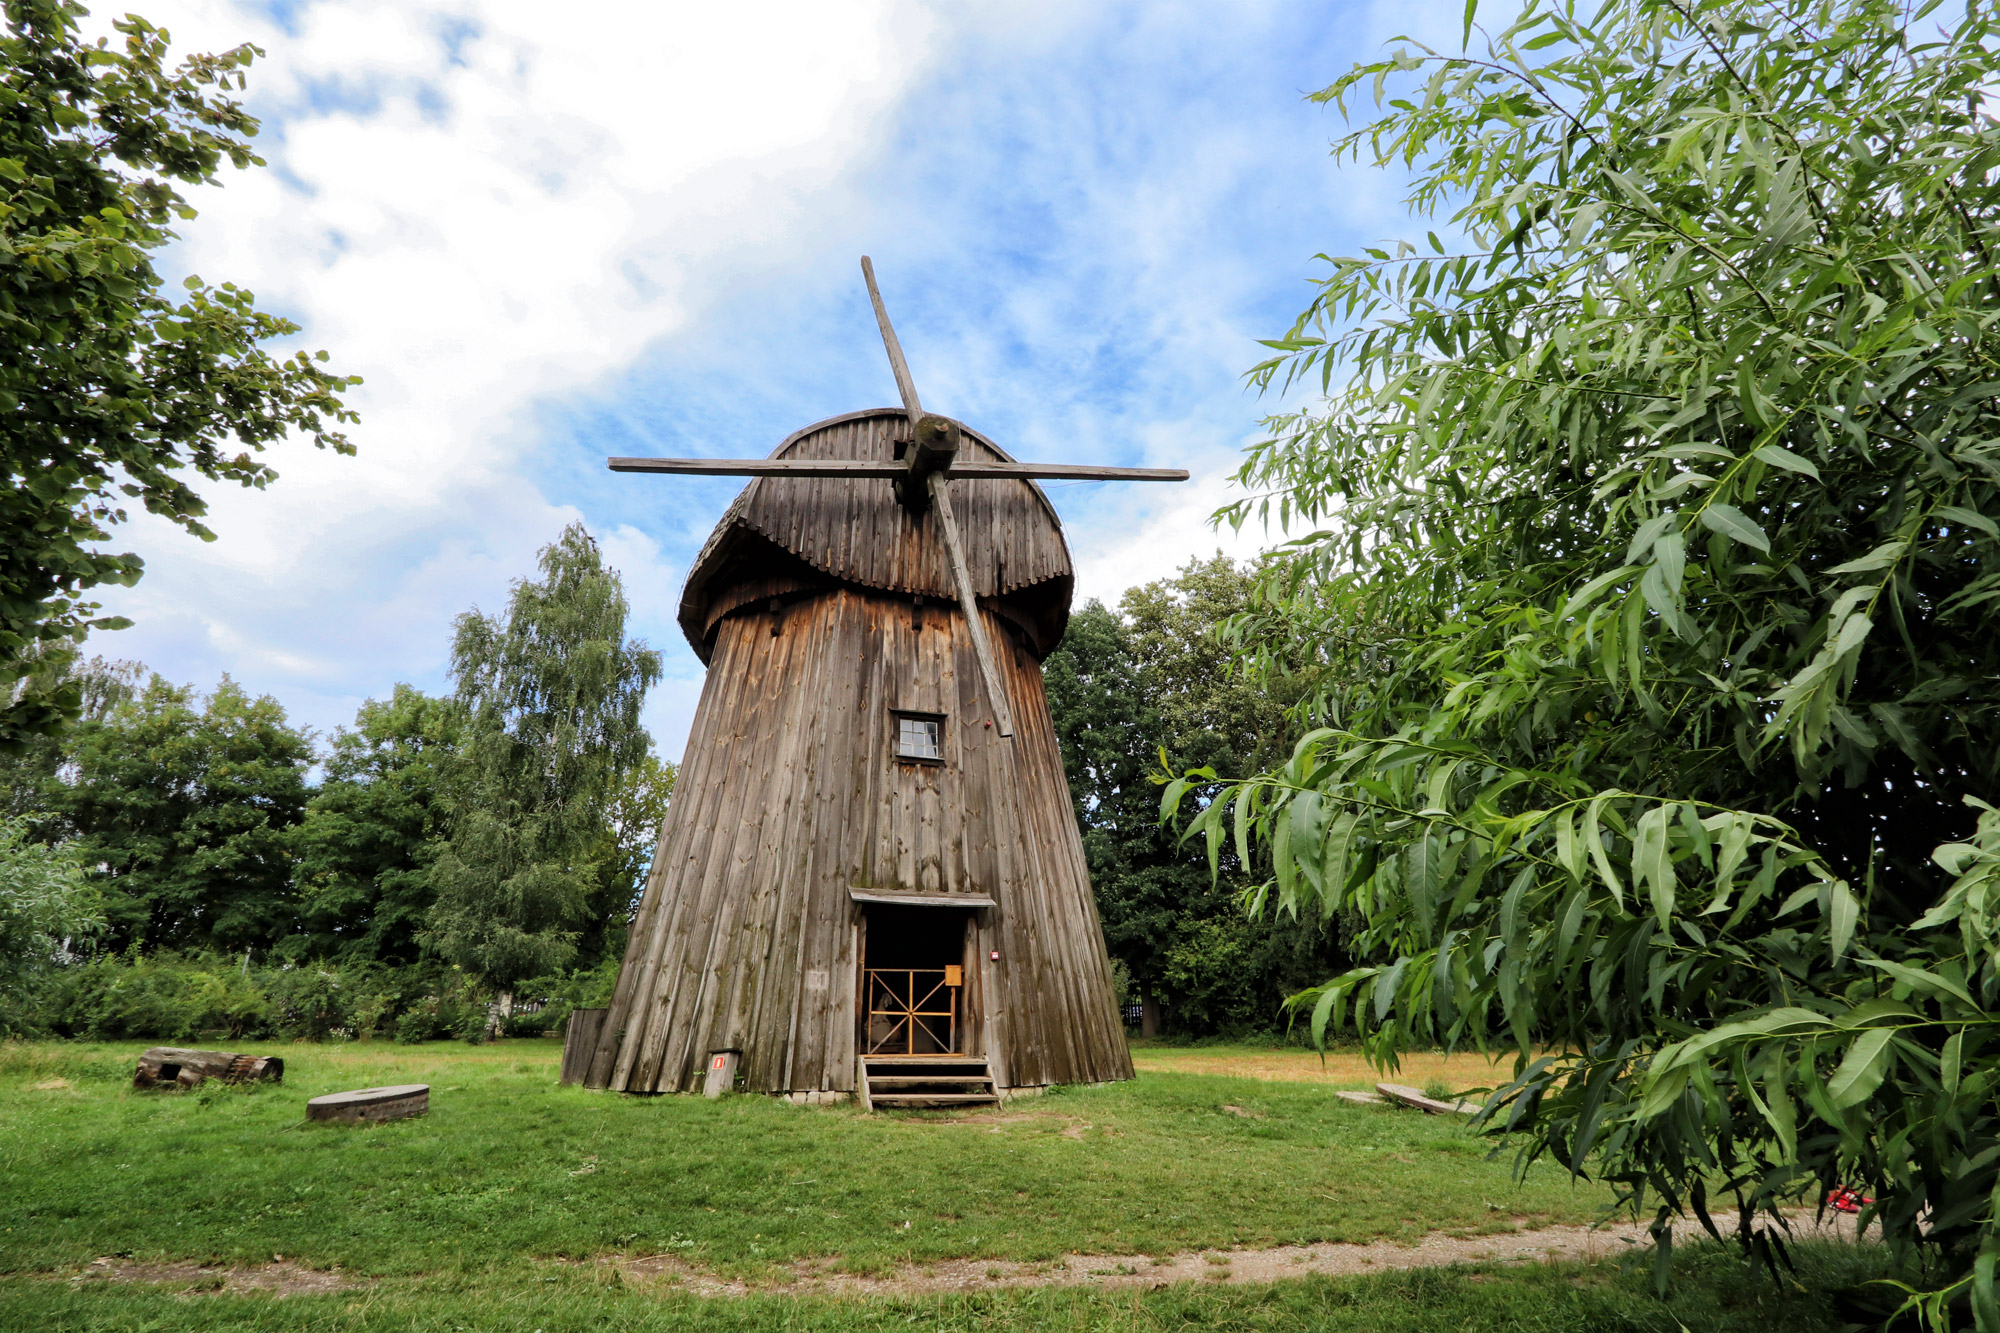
457,1219
1335,1069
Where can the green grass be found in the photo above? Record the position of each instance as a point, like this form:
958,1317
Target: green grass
459,1213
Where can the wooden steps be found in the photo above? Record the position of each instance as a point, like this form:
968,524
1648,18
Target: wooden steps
914,1082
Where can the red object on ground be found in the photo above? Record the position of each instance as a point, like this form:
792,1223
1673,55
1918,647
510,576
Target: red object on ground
1846,1200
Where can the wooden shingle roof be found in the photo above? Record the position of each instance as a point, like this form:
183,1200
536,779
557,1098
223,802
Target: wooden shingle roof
786,534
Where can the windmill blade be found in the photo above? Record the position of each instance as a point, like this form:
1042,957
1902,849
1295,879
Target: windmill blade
1003,716
904,384
858,467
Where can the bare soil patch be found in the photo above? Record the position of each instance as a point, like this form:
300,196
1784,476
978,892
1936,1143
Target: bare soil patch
823,1278
1350,1068
281,1276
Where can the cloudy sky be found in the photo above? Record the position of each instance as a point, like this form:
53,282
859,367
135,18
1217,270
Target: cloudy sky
549,233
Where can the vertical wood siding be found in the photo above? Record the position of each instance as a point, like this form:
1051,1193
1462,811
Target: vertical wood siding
789,796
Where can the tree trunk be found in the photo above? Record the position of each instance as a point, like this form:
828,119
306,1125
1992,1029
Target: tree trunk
1149,1013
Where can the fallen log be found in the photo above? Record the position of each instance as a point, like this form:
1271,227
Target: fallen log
176,1067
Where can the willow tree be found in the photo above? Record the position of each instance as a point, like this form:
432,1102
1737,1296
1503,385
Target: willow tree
1656,586
550,741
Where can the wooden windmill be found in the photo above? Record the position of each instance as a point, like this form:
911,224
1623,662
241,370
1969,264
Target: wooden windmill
870,879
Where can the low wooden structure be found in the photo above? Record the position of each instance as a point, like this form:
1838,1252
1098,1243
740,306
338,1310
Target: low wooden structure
178,1067
371,1105
871,855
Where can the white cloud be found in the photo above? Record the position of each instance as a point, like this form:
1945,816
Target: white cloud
544,234
476,205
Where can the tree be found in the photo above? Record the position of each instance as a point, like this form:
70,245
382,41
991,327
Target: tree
46,906
183,807
109,389
638,809
27,769
1122,686
1655,601
550,699
362,853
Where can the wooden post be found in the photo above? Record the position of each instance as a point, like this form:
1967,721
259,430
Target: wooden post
721,1073
982,647
580,1042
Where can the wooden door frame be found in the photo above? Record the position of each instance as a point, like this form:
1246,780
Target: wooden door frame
972,991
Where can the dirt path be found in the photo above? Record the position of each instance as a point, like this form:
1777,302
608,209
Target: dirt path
950,1276
957,1276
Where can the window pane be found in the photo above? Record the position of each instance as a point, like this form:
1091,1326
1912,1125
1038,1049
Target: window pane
918,738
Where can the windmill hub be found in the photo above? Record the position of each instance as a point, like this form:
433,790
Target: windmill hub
932,451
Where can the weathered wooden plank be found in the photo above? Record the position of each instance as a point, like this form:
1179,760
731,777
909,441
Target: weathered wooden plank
1404,1095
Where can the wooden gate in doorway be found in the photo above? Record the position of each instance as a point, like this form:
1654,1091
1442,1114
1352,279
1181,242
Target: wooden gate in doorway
914,1010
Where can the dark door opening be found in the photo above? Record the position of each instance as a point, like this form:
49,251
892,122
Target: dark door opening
913,972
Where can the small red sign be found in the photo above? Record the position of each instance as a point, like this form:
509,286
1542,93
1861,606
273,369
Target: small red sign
719,1062
995,955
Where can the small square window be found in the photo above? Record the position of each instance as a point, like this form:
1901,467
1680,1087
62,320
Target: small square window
920,738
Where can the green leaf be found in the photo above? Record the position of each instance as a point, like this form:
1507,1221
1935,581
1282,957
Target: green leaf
1866,1065
1888,553
1652,864
1779,456
1666,1089
1922,979
1969,518
1845,911
1731,522
1595,844
1583,596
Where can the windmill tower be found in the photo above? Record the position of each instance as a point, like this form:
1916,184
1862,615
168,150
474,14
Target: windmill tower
870,879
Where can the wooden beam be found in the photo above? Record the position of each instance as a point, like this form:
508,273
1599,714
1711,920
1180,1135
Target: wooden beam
982,648
904,384
890,470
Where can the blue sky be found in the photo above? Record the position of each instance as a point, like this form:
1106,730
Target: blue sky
547,234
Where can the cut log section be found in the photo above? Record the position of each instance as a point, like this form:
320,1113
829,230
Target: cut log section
371,1105
1404,1095
175,1067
